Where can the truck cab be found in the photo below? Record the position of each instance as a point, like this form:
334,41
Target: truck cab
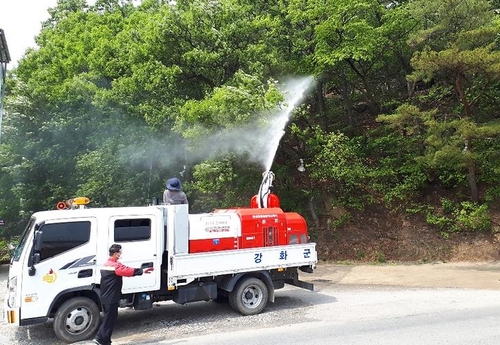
60,254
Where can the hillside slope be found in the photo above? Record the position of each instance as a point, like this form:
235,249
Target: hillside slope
376,234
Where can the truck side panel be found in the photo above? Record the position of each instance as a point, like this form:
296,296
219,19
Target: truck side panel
183,269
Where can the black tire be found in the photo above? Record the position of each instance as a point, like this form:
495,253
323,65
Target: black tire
76,319
249,297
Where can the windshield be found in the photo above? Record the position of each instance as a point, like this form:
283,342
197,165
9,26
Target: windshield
22,242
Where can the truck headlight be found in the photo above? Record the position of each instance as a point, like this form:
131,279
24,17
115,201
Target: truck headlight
12,291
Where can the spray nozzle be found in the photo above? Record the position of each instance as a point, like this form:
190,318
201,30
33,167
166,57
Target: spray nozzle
268,175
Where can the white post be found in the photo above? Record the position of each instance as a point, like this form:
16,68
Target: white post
3,74
4,60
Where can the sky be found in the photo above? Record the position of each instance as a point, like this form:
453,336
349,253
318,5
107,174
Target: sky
21,21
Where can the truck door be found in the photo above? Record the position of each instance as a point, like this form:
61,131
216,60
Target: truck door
138,236
67,261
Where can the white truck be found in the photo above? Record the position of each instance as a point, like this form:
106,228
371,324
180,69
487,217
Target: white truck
242,254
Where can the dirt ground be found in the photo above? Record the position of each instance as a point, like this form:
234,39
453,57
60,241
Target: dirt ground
378,235
469,275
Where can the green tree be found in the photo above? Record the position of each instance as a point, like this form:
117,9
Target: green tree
358,49
458,53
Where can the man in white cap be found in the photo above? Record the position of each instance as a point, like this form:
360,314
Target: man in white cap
173,194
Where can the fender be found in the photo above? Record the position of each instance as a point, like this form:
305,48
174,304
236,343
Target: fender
90,291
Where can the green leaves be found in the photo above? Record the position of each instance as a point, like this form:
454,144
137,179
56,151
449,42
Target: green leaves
460,52
119,97
238,102
350,31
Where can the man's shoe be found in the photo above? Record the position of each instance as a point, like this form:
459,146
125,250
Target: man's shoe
97,342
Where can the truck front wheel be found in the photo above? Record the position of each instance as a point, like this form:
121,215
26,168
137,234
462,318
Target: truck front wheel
249,297
76,319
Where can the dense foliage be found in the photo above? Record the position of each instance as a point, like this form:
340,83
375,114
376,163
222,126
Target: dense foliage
118,97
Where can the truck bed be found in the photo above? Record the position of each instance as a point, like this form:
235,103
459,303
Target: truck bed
184,268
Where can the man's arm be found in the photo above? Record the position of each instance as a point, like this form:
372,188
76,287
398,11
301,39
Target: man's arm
125,271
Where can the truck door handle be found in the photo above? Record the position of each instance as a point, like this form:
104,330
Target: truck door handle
85,273
146,265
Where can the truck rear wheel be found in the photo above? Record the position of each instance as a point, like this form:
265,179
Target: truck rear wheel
249,297
76,319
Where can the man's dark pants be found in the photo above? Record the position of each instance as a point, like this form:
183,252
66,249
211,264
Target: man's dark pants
108,322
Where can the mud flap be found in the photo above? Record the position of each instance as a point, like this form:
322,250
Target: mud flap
295,281
302,284
307,269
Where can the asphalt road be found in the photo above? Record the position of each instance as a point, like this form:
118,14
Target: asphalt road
352,305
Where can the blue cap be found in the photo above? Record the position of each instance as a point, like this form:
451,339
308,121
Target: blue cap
173,184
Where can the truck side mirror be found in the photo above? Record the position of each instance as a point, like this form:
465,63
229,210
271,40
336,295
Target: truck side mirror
34,260
38,241
36,257
32,271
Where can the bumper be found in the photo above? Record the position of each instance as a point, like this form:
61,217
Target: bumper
10,315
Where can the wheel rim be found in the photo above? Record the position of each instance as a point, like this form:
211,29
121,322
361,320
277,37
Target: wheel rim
252,297
78,320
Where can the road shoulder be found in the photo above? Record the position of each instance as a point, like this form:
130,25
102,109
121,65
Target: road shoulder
484,275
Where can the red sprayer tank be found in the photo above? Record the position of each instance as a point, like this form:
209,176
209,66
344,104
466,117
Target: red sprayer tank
261,225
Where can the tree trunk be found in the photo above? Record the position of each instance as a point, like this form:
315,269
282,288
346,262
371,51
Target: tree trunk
321,101
314,216
346,95
474,193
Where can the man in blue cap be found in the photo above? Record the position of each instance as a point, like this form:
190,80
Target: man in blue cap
173,193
